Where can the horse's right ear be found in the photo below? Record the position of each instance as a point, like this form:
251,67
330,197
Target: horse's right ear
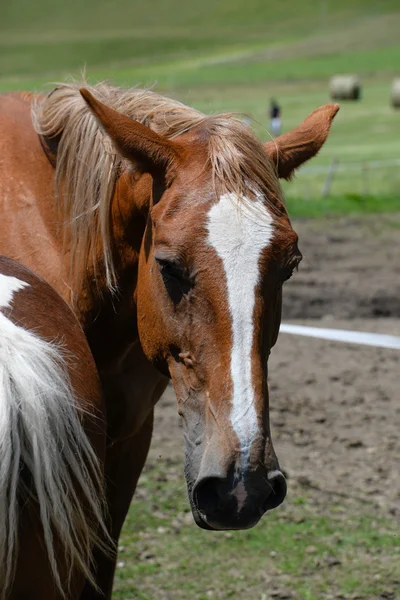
290,150
152,153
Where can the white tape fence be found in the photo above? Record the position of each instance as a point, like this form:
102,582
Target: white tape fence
378,340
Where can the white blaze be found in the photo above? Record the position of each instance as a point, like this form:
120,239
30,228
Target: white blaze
8,286
239,232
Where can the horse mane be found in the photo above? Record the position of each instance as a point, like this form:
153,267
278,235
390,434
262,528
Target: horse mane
88,165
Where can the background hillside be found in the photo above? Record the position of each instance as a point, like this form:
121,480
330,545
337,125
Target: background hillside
47,37
233,55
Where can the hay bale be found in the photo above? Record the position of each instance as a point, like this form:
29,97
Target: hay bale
345,87
396,93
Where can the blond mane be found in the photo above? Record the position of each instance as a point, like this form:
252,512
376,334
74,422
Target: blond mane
88,165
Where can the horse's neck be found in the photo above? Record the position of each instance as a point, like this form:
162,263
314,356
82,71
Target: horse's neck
131,384
109,316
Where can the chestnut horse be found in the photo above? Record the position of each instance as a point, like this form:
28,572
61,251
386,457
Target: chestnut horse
52,442
166,231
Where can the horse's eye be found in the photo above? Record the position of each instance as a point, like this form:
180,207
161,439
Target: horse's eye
169,269
175,279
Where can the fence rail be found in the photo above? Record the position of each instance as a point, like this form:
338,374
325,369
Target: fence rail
362,178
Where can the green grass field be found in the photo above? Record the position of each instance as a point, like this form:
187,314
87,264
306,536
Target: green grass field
46,37
311,546
233,55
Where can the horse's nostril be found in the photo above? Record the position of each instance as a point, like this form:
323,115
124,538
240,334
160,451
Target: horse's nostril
277,490
206,495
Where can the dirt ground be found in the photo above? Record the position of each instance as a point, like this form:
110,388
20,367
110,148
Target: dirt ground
335,407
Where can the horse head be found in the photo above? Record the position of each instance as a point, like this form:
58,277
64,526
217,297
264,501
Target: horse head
217,248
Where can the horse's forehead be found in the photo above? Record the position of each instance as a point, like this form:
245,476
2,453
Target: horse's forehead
239,231
237,218
182,213
232,226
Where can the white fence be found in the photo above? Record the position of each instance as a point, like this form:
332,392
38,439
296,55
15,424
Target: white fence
378,340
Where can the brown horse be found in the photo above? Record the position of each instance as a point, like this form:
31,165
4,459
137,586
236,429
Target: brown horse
166,231
52,442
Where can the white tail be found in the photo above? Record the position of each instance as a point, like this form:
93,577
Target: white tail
40,428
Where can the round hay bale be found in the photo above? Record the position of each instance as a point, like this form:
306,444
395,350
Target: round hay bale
396,93
345,87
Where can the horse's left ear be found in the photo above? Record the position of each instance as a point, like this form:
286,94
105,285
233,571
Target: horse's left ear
152,153
292,149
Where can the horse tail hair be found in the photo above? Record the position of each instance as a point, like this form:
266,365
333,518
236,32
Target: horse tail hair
45,457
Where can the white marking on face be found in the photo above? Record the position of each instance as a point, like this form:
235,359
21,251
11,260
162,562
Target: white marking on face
8,286
241,494
239,231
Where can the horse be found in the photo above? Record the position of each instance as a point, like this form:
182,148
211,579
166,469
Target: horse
166,232
52,442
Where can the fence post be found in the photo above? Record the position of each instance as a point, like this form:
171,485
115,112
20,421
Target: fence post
329,178
365,180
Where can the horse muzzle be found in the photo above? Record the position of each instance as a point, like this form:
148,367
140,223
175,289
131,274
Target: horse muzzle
237,500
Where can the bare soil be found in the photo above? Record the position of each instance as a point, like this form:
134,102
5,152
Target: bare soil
335,418
335,407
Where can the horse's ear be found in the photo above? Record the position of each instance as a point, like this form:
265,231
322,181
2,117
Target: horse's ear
153,153
292,149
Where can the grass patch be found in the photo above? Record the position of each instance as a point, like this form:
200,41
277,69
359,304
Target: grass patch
49,36
305,549
351,204
189,73
228,57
